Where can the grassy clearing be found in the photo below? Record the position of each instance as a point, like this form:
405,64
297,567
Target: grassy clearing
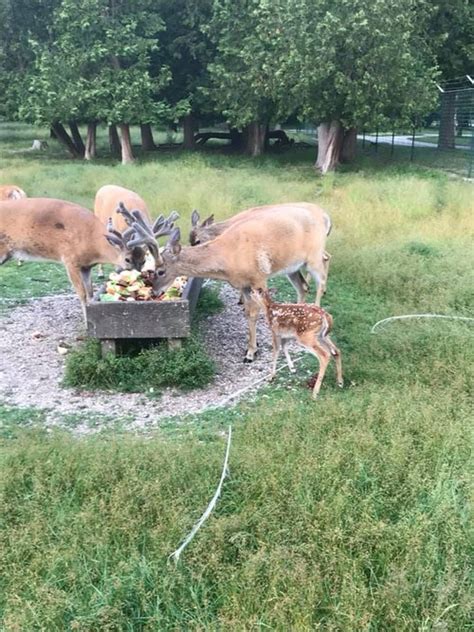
349,514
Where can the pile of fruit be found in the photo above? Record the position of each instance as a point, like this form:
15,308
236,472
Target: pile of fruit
132,285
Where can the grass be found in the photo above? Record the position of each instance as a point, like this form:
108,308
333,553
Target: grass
352,513
147,370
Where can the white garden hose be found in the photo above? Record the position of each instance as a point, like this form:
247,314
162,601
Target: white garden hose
407,316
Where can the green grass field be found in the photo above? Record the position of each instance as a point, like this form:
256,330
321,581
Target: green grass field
349,513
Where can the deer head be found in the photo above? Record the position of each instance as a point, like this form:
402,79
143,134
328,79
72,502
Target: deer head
199,232
142,233
166,271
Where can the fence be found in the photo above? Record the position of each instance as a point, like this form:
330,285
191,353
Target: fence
443,139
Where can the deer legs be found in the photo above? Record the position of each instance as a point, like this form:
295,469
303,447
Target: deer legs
298,281
278,344
323,348
252,310
318,269
320,346
80,279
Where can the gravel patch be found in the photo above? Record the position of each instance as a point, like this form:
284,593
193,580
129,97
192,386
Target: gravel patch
31,368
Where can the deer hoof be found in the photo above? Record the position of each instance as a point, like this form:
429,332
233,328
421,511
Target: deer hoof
248,359
341,384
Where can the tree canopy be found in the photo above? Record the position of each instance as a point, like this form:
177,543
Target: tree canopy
341,64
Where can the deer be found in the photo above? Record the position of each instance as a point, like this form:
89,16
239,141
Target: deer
106,202
11,192
56,230
209,229
245,255
308,325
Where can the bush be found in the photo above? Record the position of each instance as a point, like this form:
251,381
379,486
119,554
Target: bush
156,367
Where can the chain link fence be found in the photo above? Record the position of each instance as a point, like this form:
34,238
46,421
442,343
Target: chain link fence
443,139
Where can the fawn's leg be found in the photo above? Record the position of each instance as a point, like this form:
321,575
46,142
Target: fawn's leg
336,354
314,346
100,271
286,351
276,340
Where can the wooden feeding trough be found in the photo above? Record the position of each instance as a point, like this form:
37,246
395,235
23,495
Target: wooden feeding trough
129,320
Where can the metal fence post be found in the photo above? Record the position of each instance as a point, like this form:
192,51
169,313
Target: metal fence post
471,157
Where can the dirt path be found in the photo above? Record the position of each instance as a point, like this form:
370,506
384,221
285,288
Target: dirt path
31,368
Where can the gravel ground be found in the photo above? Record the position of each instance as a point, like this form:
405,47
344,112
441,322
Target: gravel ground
31,368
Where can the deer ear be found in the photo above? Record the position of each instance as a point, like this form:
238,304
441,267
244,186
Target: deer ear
195,218
173,244
208,221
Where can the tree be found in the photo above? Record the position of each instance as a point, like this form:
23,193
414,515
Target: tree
357,63
250,38
21,20
186,50
97,69
450,32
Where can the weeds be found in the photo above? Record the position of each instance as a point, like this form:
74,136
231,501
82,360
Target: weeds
146,371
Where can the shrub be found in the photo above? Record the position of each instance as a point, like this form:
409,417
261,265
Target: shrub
156,367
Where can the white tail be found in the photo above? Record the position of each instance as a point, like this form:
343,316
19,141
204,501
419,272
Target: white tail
11,192
55,230
208,230
247,253
308,325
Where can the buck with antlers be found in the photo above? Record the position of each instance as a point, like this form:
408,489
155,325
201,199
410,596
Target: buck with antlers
106,202
208,229
11,192
245,255
55,230
308,325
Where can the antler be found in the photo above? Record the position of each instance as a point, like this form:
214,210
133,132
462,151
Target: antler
116,237
142,233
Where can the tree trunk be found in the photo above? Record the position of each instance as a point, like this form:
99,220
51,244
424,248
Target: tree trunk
148,144
91,141
349,145
126,144
189,127
255,138
330,141
446,124
114,141
266,142
77,138
63,137
236,138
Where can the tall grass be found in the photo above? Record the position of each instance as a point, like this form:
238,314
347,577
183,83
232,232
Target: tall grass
351,513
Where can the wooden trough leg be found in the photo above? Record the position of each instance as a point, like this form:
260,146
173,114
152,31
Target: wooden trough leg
108,346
